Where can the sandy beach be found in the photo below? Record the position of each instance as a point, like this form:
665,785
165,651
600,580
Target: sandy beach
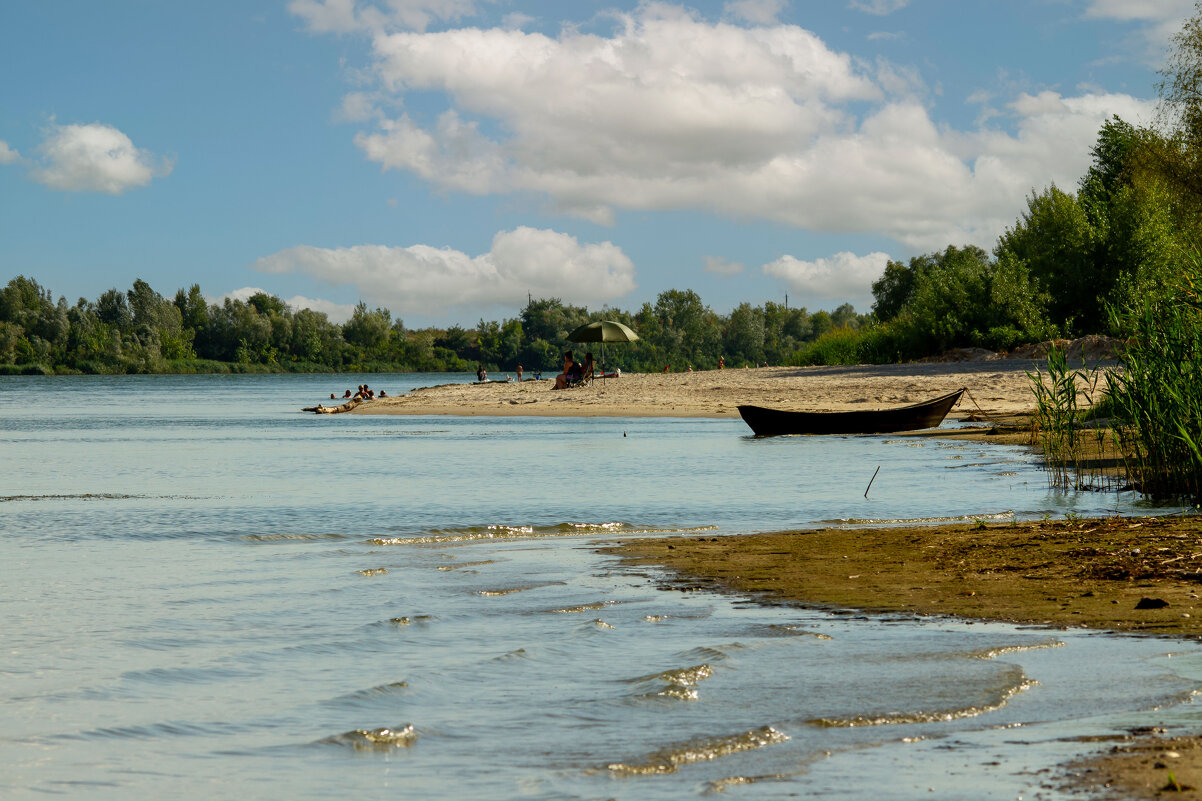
996,387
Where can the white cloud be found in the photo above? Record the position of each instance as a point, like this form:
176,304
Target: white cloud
347,16
95,158
670,111
722,267
8,155
842,277
428,281
878,7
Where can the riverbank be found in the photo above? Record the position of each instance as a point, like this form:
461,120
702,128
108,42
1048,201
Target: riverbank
1089,573
995,388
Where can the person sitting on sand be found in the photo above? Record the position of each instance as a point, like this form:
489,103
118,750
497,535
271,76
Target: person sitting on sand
571,372
481,375
383,394
587,373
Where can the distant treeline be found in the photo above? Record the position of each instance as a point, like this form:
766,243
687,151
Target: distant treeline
140,331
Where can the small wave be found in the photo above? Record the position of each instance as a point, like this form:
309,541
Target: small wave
511,590
573,610
373,571
507,532
785,630
991,653
462,565
939,716
687,677
375,739
408,621
670,759
679,684
154,731
519,654
375,693
905,521
83,496
601,624
184,675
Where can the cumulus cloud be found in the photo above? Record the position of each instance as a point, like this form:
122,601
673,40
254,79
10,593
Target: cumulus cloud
428,281
8,155
670,111
94,158
842,277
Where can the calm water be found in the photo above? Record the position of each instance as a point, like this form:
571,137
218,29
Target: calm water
209,594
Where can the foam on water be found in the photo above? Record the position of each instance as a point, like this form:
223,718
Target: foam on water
703,749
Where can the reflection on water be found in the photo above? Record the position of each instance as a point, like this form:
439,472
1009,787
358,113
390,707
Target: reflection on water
207,592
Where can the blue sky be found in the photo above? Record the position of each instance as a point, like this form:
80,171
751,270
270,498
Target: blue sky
443,158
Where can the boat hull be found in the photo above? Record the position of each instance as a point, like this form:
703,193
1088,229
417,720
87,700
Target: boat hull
774,422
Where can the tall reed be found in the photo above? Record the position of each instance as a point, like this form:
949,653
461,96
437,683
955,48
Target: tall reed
1158,398
1057,422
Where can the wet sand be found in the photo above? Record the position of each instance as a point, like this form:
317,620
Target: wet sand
995,387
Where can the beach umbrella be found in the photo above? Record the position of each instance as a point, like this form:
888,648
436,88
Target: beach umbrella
602,331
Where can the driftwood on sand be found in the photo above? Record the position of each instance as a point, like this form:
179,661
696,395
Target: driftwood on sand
319,409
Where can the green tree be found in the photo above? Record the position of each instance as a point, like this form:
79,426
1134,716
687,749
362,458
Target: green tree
894,288
368,331
1060,248
743,336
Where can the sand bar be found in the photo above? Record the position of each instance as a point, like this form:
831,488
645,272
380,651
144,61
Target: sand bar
997,387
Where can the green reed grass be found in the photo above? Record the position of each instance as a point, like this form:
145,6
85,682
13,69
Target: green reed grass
1057,423
1158,398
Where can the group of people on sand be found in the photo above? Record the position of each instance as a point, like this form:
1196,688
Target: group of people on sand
362,392
574,372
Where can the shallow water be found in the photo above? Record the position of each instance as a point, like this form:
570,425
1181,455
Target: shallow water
210,594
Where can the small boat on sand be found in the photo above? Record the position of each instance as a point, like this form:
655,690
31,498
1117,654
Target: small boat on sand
772,422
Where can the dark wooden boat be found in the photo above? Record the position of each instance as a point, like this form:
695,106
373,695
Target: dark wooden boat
772,422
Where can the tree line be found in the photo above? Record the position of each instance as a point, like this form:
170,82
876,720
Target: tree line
141,331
